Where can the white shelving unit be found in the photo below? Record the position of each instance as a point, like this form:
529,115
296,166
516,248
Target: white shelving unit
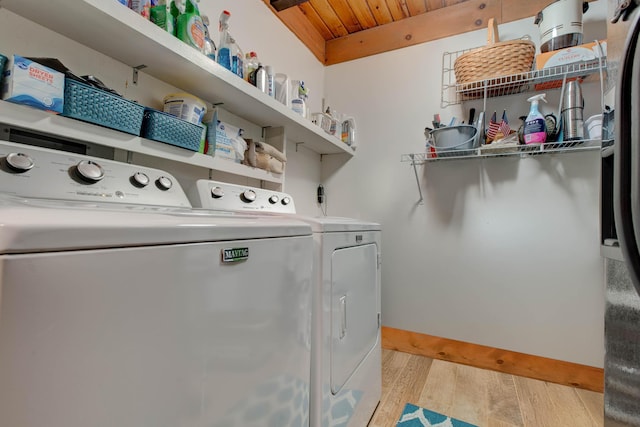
506,150
454,93
112,29
38,121
417,159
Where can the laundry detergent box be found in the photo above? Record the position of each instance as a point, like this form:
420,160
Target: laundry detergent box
575,56
27,82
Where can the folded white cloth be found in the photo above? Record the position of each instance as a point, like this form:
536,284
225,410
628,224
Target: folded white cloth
264,156
263,147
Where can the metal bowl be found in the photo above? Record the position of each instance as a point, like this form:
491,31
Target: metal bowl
451,140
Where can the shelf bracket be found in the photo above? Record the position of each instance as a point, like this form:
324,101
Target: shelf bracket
264,131
415,171
135,72
300,143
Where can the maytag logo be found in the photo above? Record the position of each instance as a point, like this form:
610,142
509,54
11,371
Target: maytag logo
235,254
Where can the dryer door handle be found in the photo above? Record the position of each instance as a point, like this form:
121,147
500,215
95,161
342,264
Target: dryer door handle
343,317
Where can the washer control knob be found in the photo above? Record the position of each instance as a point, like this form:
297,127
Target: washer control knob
286,200
248,196
164,183
217,192
89,171
19,162
274,199
140,179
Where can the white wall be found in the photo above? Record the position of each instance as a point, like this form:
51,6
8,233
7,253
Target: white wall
504,252
254,27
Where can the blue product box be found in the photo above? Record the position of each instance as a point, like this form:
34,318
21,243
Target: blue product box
27,82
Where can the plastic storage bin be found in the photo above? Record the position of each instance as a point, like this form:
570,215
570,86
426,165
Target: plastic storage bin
3,63
164,127
89,104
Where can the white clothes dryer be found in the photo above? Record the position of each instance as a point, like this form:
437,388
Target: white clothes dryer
346,351
121,306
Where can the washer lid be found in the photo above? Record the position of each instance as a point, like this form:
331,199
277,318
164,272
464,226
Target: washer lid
25,228
330,224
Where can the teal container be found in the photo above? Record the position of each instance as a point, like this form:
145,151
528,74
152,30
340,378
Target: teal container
3,63
163,127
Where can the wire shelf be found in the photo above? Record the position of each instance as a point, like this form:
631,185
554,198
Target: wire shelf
486,151
547,78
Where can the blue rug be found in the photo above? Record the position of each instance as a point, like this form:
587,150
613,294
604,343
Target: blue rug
414,416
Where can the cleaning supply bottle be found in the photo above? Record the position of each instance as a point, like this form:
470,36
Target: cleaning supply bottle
535,128
237,58
271,91
189,25
251,64
258,78
164,14
224,47
209,45
348,135
298,103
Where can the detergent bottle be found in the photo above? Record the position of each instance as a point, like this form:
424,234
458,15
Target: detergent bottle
189,25
224,47
535,127
348,134
250,65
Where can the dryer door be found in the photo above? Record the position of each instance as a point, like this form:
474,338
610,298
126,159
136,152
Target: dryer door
354,308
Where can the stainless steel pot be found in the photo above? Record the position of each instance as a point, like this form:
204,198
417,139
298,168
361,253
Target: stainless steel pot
560,24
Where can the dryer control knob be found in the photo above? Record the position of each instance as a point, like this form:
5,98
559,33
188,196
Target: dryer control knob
217,192
286,200
248,196
89,171
140,179
274,199
164,183
19,162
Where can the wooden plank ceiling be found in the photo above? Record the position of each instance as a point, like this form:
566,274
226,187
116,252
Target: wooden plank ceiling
336,31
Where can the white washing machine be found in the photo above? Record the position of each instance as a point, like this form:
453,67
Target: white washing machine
120,306
346,351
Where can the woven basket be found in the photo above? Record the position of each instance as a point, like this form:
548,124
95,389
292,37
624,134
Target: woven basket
93,105
494,61
164,127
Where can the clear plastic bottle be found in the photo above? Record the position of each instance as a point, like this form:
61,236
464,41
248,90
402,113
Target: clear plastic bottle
224,47
251,64
271,91
209,45
237,59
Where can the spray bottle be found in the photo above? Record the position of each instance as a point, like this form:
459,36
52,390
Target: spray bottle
535,127
224,47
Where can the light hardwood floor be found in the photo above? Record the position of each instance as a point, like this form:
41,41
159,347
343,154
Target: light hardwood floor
481,397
